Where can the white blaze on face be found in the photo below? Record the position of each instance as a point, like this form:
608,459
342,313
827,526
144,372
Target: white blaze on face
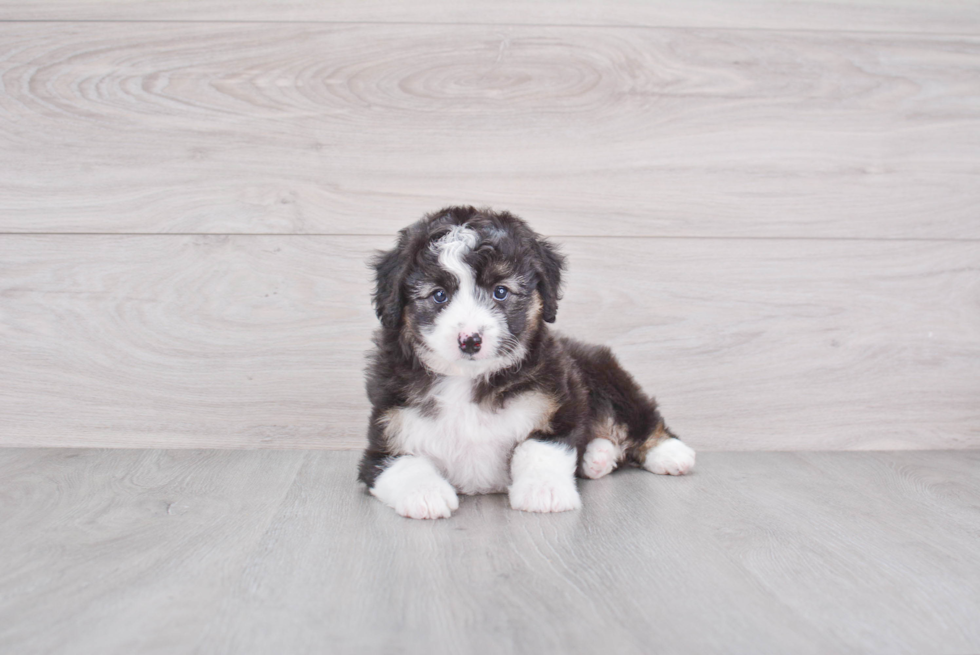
469,312
452,249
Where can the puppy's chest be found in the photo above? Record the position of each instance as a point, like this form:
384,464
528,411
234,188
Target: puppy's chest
471,442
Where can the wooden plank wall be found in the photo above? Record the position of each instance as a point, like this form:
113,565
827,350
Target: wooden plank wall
772,209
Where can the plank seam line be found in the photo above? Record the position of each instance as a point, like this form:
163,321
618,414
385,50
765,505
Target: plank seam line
550,236
795,30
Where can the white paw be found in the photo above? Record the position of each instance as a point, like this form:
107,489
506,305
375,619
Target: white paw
544,477
544,495
431,502
413,487
600,458
671,457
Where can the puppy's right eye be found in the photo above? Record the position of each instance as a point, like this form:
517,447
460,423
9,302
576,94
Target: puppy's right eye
439,295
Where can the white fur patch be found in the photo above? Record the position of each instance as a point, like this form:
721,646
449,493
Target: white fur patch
600,458
470,443
544,478
452,248
413,487
670,457
469,311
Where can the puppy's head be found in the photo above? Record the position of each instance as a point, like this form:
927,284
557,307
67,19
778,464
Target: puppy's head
466,289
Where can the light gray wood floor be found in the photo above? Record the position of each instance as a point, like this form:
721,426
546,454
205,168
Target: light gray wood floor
127,551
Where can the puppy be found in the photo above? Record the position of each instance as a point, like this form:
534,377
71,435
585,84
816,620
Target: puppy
472,392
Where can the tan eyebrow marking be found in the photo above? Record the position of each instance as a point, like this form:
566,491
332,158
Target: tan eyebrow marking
513,283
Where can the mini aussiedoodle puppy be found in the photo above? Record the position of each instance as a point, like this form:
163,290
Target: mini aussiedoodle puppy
472,392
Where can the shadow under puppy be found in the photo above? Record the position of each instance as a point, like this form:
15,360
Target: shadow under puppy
473,393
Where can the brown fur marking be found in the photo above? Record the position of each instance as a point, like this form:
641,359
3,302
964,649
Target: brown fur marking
659,435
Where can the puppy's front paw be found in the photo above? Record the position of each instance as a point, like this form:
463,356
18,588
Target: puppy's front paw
671,457
540,495
544,477
436,500
414,488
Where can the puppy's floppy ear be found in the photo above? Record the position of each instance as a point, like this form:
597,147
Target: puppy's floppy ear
389,273
550,265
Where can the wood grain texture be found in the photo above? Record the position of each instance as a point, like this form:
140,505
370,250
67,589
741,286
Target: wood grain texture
258,341
357,129
262,552
917,16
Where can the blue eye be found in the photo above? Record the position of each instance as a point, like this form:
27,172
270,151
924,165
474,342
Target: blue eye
439,295
500,293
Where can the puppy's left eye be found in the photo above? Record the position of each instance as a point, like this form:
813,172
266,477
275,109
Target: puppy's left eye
500,293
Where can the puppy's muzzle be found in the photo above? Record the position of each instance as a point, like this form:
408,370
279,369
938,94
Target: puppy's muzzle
470,343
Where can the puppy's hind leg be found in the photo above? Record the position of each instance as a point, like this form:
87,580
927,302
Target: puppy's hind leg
664,454
615,395
600,458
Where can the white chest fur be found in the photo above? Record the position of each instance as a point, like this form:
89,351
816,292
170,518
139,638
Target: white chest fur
469,442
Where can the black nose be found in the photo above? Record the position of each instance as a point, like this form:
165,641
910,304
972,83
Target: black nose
471,344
